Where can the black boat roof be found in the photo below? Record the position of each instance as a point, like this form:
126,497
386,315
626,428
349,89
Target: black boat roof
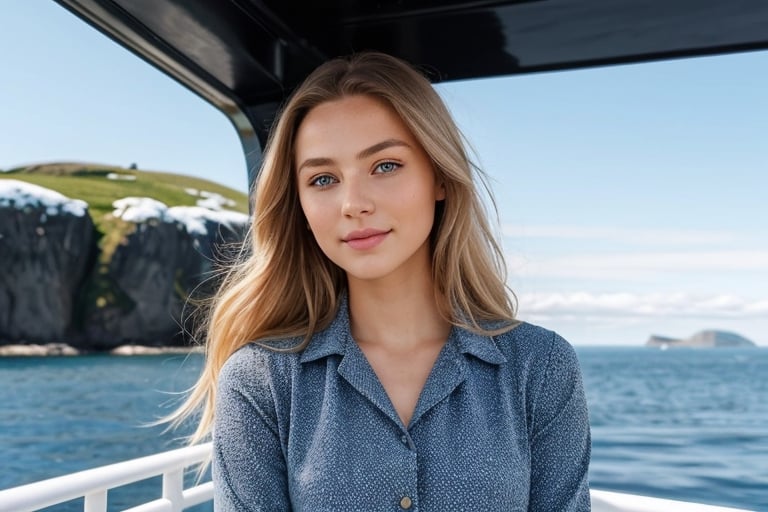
245,56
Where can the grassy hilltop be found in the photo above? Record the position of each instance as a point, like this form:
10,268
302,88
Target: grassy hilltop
90,183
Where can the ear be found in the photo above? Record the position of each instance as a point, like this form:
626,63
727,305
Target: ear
439,191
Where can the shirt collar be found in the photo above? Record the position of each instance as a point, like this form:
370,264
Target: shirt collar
479,345
334,339
331,340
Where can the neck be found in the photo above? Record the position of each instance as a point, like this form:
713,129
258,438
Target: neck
398,316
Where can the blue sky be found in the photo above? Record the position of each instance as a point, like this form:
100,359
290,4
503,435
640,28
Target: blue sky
631,198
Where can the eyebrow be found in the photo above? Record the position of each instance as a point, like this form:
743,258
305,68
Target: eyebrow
367,152
380,147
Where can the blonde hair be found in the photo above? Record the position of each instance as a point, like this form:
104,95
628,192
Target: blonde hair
284,286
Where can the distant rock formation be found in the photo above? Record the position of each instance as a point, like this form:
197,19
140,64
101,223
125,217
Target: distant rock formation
705,339
33,350
64,282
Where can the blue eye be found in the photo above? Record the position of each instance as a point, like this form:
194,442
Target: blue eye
322,181
387,167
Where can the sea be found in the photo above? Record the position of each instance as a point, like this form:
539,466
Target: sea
685,424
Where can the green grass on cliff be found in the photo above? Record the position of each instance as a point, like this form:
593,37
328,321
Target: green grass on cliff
89,182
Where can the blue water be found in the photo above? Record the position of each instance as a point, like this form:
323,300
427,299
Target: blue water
66,414
680,424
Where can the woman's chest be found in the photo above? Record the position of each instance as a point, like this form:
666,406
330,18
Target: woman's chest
467,448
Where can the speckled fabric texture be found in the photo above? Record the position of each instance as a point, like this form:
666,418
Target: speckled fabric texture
501,425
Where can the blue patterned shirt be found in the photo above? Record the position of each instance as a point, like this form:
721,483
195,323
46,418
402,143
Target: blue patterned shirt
501,425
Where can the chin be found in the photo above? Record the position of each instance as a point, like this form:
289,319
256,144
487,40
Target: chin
368,270
366,274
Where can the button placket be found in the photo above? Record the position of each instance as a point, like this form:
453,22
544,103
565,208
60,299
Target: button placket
406,501
407,441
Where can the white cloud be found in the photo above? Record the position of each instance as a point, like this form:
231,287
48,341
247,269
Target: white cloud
630,305
670,281
637,265
663,237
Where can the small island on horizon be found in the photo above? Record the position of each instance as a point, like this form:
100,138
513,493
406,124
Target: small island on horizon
710,338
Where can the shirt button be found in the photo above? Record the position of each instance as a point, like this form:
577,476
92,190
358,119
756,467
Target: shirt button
404,439
406,502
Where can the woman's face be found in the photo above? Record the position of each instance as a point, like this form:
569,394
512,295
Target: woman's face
367,189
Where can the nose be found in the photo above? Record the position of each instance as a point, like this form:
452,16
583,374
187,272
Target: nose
357,199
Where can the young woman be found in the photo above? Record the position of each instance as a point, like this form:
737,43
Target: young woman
364,354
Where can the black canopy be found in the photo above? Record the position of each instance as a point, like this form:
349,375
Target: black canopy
245,56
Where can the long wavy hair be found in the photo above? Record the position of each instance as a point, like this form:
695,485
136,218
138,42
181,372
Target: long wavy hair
282,285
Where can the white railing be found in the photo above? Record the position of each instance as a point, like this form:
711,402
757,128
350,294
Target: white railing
605,501
94,484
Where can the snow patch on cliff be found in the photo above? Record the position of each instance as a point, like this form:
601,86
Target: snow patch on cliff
119,176
193,218
20,194
210,200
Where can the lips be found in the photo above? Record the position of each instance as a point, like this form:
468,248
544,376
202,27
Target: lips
365,238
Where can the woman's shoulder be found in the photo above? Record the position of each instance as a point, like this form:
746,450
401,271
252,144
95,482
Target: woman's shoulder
542,363
270,349
530,345
261,361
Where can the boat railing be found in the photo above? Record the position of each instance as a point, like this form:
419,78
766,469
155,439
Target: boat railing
608,501
94,485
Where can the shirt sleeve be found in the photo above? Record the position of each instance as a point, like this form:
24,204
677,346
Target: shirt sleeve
560,441
249,470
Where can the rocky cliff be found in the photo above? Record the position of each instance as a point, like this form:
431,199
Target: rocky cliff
66,280
47,247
